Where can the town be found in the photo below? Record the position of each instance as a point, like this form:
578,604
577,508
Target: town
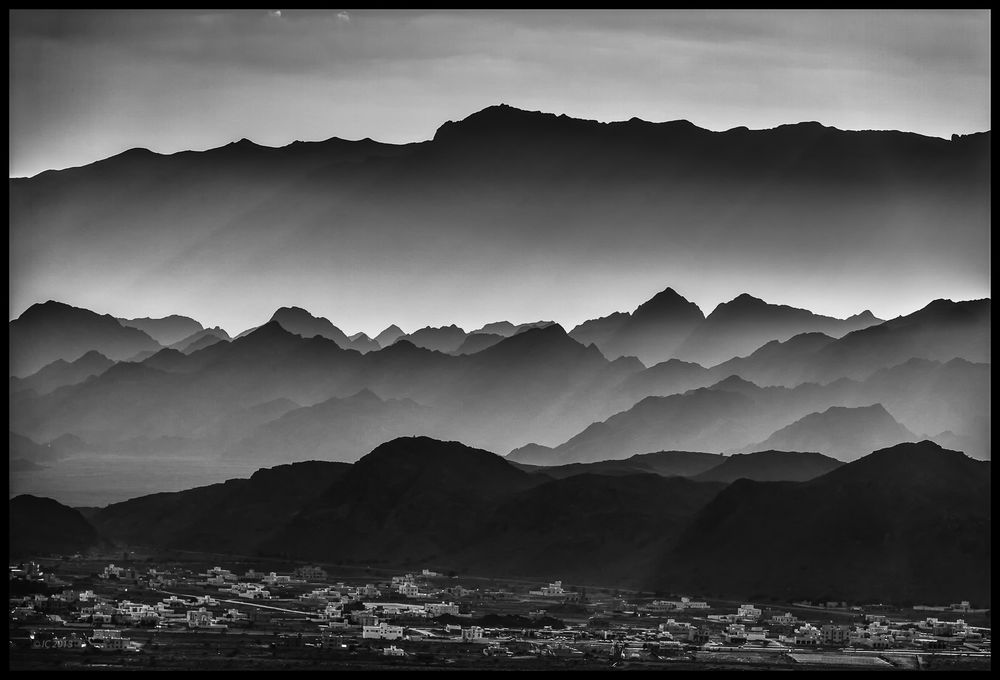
78,612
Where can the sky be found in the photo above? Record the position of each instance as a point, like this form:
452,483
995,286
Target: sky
86,85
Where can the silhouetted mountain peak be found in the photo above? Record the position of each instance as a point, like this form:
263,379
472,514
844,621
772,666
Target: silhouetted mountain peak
925,463
405,458
667,302
735,383
864,316
365,396
742,301
269,332
92,356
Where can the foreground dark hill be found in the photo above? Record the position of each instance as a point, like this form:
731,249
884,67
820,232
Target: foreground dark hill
52,330
597,528
770,466
914,519
413,498
416,500
910,523
42,526
234,516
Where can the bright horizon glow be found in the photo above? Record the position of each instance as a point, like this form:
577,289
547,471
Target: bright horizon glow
372,331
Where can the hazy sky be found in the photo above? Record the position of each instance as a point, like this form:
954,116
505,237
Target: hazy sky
85,85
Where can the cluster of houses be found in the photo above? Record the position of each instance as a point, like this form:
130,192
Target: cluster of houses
362,611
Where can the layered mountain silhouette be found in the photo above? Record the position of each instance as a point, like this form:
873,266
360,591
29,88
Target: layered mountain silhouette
52,330
846,433
663,463
389,336
200,340
60,373
335,429
540,179
299,321
655,330
913,519
739,327
536,385
446,339
166,330
770,466
476,342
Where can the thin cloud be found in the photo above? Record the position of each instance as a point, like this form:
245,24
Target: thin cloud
344,16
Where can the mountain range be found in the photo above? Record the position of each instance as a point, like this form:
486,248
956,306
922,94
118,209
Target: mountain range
679,197
416,500
532,389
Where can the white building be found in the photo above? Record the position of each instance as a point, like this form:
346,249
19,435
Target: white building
382,631
441,608
112,570
554,589
408,589
276,579
199,618
748,612
807,635
786,619
473,634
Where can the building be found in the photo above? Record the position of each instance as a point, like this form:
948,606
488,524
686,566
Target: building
807,635
274,579
382,631
786,619
835,635
472,634
554,589
111,571
748,612
441,608
735,634
311,573
408,589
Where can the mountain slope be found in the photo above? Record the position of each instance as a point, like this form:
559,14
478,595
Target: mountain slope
60,373
844,433
740,326
167,330
770,466
299,321
545,182
50,331
812,539
42,526
233,516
